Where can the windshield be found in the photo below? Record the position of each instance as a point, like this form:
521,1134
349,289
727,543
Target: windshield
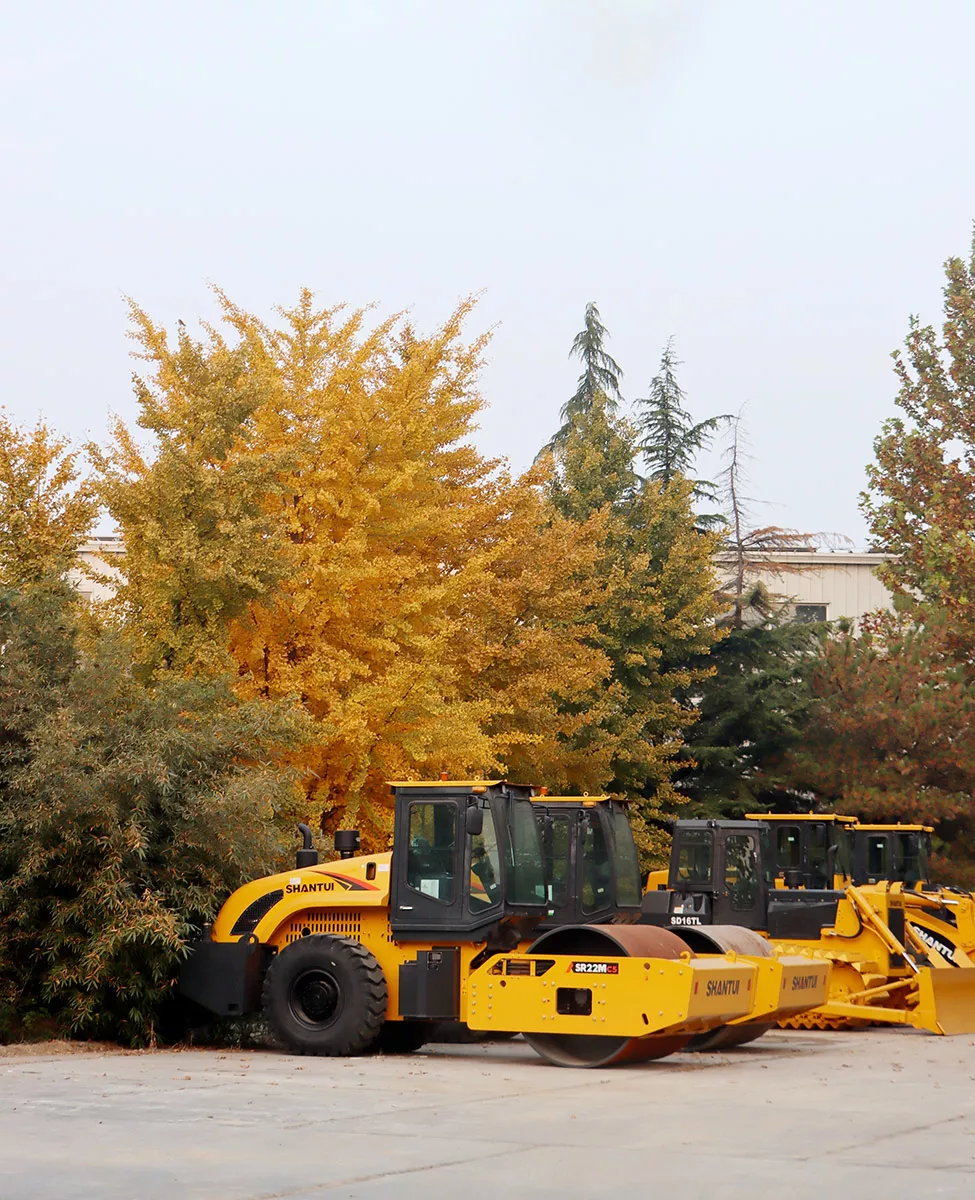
556,848
526,880
695,851
843,841
913,858
625,858
596,876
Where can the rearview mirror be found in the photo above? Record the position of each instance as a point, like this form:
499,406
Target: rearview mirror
475,821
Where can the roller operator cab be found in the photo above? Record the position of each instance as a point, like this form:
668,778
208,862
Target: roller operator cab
719,875
370,950
471,865
592,870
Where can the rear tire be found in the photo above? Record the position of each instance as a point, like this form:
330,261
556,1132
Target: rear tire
325,995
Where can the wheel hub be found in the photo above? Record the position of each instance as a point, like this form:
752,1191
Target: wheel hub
315,998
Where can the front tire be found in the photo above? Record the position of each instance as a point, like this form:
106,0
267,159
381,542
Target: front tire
325,995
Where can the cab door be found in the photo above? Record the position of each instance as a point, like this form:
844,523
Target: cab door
427,885
739,894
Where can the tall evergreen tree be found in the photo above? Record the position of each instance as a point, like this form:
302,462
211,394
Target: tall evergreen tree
669,439
598,385
657,594
594,463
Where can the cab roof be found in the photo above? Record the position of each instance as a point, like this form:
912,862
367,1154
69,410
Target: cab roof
835,818
443,783
898,828
585,801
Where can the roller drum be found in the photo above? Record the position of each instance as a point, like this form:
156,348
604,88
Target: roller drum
720,939
607,941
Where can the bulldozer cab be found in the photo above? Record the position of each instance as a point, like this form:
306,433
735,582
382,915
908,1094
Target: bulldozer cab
724,873
809,850
592,872
467,861
717,874
898,853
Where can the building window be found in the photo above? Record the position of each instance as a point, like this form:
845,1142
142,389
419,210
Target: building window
806,614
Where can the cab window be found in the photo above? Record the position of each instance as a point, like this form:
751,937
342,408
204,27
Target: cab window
819,876
525,868
695,851
788,848
430,855
484,888
878,857
741,875
556,843
913,864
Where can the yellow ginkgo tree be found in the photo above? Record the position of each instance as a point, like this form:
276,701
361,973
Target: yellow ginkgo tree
317,520
46,508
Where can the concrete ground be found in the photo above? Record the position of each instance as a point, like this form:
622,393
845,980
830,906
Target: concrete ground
795,1115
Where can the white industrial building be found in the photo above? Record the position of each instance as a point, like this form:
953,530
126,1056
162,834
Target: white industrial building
818,585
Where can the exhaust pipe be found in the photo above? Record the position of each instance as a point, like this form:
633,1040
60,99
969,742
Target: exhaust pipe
307,856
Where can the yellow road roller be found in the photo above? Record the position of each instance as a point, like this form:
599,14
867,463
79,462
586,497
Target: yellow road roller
370,950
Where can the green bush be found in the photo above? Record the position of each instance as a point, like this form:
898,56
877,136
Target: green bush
127,813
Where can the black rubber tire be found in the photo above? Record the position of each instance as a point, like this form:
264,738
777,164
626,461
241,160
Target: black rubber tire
403,1037
325,995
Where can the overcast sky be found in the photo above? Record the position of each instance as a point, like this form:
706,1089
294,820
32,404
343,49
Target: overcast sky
775,183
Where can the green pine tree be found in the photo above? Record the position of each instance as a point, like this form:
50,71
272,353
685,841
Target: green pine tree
598,385
657,592
670,440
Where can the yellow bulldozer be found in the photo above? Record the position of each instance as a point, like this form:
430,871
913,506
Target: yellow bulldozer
806,848
370,950
727,872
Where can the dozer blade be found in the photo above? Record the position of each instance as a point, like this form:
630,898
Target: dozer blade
946,1001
